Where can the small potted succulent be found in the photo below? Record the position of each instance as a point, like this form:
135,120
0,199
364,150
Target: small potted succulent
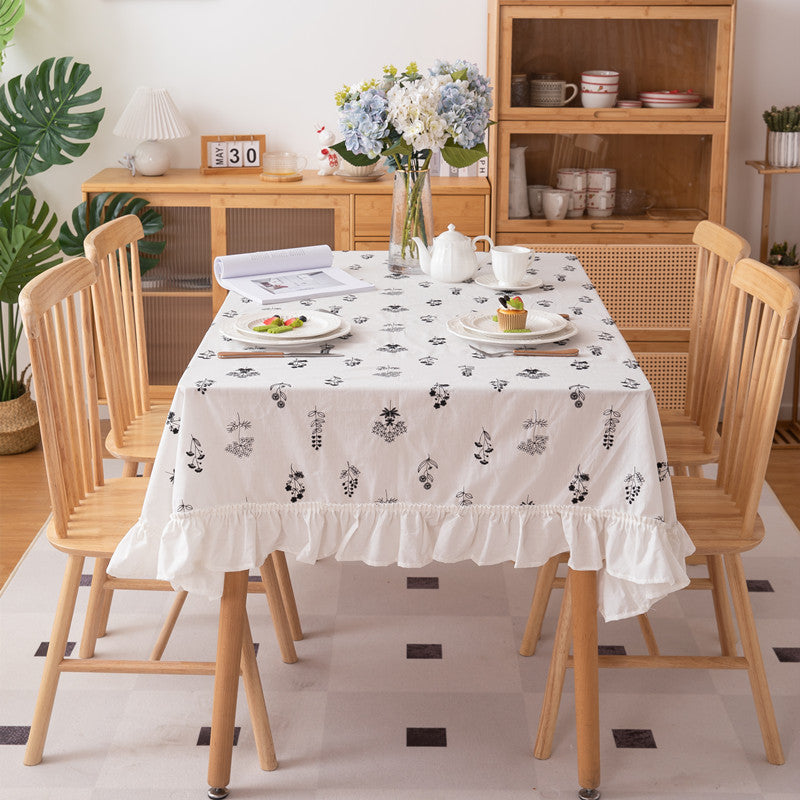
783,137
784,259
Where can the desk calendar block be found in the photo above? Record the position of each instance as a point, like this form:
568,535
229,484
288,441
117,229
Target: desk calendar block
240,153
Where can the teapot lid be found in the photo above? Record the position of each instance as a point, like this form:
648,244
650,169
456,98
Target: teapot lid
451,234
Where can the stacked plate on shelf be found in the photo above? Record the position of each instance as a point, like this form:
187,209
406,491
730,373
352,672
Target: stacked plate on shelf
543,327
671,99
320,326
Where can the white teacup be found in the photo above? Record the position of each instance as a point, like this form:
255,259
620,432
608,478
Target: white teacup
555,203
573,178
601,179
600,204
535,198
595,99
509,264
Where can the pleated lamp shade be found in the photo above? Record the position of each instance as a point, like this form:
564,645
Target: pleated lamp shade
152,116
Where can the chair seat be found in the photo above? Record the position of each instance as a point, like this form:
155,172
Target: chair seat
141,437
712,520
98,524
685,442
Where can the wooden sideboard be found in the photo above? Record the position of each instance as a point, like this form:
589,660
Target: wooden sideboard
206,216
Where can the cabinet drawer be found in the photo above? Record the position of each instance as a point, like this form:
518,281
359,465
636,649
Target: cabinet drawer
466,212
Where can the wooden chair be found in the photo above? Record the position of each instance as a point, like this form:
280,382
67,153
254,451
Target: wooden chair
90,513
690,434
720,515
136,423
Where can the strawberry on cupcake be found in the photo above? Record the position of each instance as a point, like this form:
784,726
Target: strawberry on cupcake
512,315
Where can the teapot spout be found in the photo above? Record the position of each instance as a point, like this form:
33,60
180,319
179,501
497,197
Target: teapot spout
424,255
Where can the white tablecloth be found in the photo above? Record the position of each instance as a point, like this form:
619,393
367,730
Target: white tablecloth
413,448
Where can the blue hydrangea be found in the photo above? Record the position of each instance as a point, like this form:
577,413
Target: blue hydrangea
465,103
364,122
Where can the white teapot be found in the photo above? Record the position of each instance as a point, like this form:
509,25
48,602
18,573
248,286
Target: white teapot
451,258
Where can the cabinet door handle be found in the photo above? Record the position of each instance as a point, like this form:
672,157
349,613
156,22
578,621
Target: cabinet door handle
608,226
612,113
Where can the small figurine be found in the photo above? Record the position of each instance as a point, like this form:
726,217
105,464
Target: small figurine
328,160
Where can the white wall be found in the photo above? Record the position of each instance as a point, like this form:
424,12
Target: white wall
250,66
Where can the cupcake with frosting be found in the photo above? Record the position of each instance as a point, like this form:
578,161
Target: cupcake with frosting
512,315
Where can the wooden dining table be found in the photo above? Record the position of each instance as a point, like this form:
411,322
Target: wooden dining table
398,442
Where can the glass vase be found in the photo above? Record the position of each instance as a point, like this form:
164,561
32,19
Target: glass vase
412,216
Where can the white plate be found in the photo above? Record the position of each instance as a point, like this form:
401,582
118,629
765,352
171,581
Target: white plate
228,328
373,176
488,280
539,323
664,104
455,327
317,323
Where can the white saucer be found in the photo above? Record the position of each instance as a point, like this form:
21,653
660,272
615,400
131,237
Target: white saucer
228,328
373,176
539,323
455,327
488,280
317,323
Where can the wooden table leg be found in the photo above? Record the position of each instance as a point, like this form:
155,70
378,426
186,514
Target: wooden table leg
587,705
766,210
232,608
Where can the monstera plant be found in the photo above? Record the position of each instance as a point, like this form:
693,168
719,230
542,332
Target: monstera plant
45,121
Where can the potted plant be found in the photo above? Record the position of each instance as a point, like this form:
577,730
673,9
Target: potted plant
783,136
784,259
44,121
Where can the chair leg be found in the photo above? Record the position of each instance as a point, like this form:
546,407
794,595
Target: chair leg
648,635
102,628
287,593
168,626
541,597
130,469
94,612
256,703
722,607
555,678
278,612
147,469
55,653
752,652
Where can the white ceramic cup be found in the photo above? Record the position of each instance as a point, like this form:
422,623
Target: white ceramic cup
600,78
509,264
599,88
600,204
535,198
555,203
595,99
551,93
572,178
601,179
284,163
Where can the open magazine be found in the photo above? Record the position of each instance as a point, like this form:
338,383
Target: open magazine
272,276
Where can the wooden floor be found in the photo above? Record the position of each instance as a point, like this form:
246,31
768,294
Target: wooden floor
24,506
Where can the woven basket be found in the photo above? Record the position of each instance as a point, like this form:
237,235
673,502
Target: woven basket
19,424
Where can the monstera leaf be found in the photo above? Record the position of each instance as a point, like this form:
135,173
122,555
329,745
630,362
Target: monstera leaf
11,12
43,121
26,248
104,207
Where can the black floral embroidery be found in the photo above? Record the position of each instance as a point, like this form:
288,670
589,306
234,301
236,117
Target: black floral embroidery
588,286
456,290
317,421
278,393
547,287
467,370
481,300
527,501
393,327
334,380
440,394
244,372
533,373
577,395
663,470
394,309
184,507
595,349
230,314
171,475
536,443
605,336
633,485
391,427
437,340
392,347
295,485
352,361
608,321
631,363
577,311
464,498
386,498
578,486
630,383
173,423
204,385
434,302
427,318
349,478
206,354
360,320
428,361
610,427
585,299
387,371
426,284
498,384
298,363
425,470
196,453
242,446
393,291
579,364
349,297
484,447
561,277
544,303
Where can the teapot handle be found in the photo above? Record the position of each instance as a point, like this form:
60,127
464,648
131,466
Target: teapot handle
483,239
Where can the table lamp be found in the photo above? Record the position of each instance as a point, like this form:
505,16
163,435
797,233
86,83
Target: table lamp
152,116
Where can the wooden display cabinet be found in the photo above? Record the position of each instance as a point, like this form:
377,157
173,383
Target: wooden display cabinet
206,216
678,156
